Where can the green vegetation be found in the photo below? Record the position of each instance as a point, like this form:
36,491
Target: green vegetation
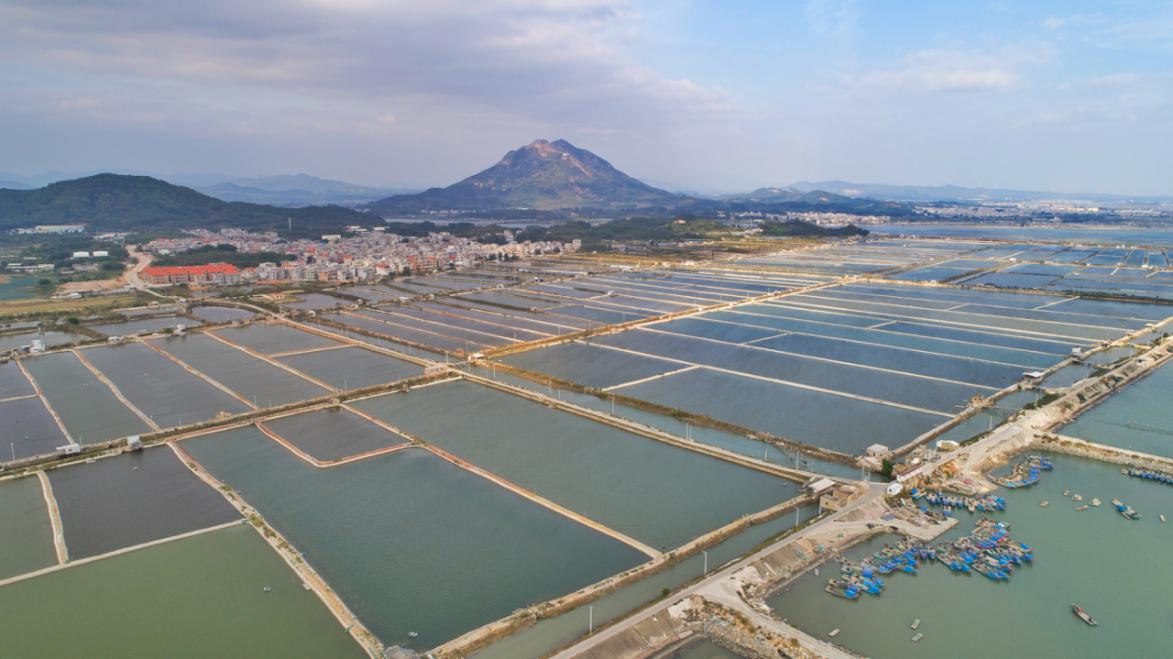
58,249
117,202
799,229
221,254
658,229
640,228
1045,399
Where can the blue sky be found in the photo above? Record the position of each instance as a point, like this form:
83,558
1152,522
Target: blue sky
708,96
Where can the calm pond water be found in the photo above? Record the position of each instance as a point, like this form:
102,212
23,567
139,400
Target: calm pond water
86,406
159,387
133,498
205,597
333,433
26,543
1135,418
1127,235
1113,567
410,541
727,440
264,384
213,314
18,287
659,494
811,417
351,368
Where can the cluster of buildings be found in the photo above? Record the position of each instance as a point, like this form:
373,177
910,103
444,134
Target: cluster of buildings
213,274
359,255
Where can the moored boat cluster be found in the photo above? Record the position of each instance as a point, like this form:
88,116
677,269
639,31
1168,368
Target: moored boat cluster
988,550
1026,472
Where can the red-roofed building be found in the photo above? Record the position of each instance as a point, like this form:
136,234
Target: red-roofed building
214,274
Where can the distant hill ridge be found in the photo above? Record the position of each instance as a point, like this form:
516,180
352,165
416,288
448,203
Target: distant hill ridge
295,190
122,202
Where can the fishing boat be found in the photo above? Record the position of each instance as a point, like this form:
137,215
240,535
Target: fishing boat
915,624
1077,497
1081,508
918,637
1044,504
1095,502
834,632
1162,516
1066,493
1083,615
1125,510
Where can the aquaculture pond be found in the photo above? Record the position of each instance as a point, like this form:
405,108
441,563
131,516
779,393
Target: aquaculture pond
405,538
269,338
1135,418
656,493
254,379
836,376
590,365
738,443
818,418
351,367
162,389
87,407
212,314
13,383
220,594
131,499
26,543
1096,558
29,429
333,434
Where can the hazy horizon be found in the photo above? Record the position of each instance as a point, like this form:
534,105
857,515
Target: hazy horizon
1065,97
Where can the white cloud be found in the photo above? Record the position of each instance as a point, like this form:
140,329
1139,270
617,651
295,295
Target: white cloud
559,61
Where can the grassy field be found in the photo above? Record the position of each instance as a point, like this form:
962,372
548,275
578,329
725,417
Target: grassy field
26,307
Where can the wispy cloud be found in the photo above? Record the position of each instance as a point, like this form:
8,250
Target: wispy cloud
952,70
832,19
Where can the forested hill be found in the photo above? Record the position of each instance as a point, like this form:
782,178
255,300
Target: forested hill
119,202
